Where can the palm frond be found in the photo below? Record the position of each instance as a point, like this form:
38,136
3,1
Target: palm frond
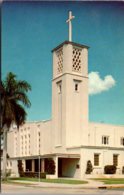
23,85
13,97
20,114
21,97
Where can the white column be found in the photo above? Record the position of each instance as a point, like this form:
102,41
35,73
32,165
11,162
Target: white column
42,165
56,166
24,165
33,165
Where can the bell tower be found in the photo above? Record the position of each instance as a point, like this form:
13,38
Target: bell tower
70,93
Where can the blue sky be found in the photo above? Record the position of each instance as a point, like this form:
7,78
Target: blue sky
30,30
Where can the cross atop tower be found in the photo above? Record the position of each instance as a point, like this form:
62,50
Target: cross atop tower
70,24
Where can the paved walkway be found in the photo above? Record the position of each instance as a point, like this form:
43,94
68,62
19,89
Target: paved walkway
91,184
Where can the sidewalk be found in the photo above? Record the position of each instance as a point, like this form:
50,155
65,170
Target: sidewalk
92,184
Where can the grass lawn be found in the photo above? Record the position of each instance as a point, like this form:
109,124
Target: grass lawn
62,181
111,180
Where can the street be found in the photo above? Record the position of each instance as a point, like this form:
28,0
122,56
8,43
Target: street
26,189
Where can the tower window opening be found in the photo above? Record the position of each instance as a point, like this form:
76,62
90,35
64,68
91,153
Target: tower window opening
76,87
59,61
59,85
76,60
60,88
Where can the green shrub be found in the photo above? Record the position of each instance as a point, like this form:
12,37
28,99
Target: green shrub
123,170
20,168
34,174
110,169
29,174
21,174
43,175
8,173
89,168
49,166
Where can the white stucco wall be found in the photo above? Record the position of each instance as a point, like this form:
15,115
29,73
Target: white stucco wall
70,121
105,158
46,137
97,130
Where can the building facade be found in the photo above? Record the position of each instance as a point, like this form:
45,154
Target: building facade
68,138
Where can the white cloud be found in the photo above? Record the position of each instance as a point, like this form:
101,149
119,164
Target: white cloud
98,85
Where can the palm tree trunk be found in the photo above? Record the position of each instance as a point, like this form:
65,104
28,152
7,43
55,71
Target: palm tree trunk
4,153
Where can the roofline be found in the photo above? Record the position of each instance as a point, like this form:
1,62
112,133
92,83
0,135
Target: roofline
102,123
70,42
49,155
27,122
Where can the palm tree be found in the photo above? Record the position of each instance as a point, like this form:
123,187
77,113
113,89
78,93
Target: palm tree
13,101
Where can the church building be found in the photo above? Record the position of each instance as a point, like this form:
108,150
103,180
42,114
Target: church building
68,138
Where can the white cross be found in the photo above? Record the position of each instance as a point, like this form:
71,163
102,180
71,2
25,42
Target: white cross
70,25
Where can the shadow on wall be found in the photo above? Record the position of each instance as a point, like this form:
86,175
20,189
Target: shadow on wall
68,167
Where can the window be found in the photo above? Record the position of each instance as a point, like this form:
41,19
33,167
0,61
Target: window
115,159
122,141
59,85
77,166
60,88
96,159
59,61
76,60
105,140
76,87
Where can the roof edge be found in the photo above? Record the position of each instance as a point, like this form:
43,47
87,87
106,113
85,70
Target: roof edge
72,43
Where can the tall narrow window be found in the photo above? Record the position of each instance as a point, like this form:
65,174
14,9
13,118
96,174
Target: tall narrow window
96,159
122,141
59,85
59,61
76,60
105,140
115,159
76,87
60,88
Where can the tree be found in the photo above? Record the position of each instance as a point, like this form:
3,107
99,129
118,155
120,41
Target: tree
89,167
50,166
20,168
14,99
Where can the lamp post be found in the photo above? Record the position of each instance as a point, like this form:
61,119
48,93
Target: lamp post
39,167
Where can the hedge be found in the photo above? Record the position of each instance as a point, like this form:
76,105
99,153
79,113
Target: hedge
33,174
110,169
